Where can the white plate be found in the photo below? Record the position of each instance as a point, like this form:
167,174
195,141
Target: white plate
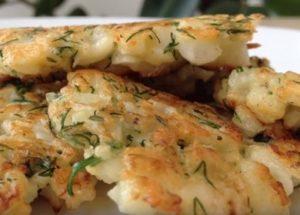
280,46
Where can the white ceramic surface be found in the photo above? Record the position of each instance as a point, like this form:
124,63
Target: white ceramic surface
280,46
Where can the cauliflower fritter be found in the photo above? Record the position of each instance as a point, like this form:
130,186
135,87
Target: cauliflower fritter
260,97
28,143
165,155
149,48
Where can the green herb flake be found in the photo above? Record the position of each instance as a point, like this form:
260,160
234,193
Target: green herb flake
77,88
60,50
41,107
63,119
115,114
236,31
92,89
237,117
1,53
42,166
8,42
72,58
239,69
85,138
96,117
89,27
116,145
51,60
196,204
297,82
65,36
48,167
141,31
109,63
202,168
18,115
21,89
142,143
80,166
69,127
175,23
186,33
160,120
143,94
109,79
170,48
209,123
22,100
215,24
129,137
6,147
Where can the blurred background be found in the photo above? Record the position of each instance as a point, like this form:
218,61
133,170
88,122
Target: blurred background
148,8
279,10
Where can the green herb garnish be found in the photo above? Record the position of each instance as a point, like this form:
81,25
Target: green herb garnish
92,89
65,36
143,30
297,82
197,203
38,108
51,60
69,127
48,167
43,166
63,118
236,116
171,46
77,88
79,166
9,41
60,50
236,31
85,138
96,117
239,69
142,143
202,168
186,33
116,145
129,137
160,120
143,94
203,121
175,23
109,79
209,123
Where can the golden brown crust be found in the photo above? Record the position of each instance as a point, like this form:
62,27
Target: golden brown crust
32,154
165,154
149,48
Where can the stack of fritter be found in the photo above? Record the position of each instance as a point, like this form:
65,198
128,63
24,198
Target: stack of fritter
62,129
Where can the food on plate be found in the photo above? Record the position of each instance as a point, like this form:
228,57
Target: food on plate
166,155
260,97
62,130
32,159
149,48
